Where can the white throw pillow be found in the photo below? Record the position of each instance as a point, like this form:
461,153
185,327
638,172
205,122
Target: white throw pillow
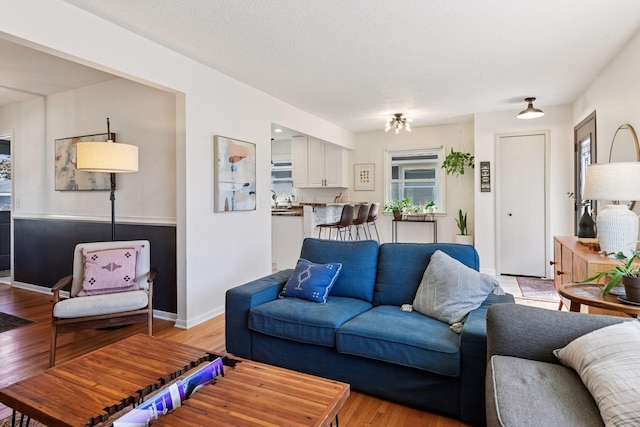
608,362
450,290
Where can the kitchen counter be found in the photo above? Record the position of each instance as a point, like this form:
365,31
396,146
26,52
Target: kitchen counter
294,211
323,205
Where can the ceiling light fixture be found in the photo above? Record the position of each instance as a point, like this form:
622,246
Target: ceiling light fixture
398,122
277,130
530,112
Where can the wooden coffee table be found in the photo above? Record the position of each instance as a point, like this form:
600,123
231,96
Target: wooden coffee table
89,390
591,295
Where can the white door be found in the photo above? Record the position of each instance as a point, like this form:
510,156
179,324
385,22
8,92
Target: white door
521,205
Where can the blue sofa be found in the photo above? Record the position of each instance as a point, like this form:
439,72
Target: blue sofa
361,336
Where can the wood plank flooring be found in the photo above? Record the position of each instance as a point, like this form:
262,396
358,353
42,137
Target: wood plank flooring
25,351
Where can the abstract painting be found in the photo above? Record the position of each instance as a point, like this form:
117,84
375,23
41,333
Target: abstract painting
235,175
68,178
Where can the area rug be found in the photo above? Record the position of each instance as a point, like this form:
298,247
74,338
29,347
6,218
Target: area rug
534,288
7,422
8,322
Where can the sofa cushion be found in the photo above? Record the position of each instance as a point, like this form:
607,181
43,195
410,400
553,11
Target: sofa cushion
305,321
311,281
389,334
537,394
359,260
607,360
450,290
402,265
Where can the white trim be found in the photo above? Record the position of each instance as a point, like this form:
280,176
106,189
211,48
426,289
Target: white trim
547,179
183,324
87,218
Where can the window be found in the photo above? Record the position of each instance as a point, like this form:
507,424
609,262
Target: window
416,174
281,179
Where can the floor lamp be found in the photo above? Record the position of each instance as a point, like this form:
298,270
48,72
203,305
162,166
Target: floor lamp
109,157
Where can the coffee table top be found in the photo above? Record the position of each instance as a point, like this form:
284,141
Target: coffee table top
591,294
90,389
255,394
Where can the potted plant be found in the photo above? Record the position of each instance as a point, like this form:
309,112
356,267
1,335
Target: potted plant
463,237
397,206
628,272
456,161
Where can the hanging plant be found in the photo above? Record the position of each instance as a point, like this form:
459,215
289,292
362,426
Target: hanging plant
456,161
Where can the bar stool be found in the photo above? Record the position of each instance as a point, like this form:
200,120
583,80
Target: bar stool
371,219
360,220
346,219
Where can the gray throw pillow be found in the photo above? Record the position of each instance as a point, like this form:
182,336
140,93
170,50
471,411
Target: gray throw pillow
450,290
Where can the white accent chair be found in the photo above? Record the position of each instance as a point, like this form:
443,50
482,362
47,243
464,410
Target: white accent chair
107,310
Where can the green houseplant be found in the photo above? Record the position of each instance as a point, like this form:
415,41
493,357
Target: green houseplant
628,272
464,237
456,162
461,222
396,206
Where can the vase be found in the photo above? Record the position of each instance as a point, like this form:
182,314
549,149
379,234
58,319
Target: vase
464,239
632,288
586,226
397,215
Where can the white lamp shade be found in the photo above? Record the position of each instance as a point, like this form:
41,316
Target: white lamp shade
613,181
617,225
108,157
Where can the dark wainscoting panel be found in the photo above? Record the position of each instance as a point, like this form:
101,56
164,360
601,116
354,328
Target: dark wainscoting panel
43,252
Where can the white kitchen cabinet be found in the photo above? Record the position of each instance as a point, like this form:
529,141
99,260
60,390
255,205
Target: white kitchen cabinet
299,161
318,164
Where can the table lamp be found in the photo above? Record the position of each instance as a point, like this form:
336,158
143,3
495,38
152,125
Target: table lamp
108,157
617,225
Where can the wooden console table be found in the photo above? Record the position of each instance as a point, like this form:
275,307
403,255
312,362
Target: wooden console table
89,390
394,227
591,295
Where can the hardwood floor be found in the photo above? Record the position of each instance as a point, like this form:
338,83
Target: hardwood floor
24,351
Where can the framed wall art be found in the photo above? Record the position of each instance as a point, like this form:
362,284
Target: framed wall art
68,178
235,175
364,175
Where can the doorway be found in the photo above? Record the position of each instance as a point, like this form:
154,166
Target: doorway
521,204
5,208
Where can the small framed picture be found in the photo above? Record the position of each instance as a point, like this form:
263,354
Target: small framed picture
364,175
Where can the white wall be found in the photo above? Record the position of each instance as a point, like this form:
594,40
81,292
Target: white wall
139,115
216,251
557,120
370,148
615,96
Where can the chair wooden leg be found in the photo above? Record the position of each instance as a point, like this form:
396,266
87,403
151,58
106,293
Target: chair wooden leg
52,350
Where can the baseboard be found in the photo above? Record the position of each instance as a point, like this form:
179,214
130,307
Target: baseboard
182,324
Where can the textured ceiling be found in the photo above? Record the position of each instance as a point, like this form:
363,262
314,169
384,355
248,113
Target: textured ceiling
354,62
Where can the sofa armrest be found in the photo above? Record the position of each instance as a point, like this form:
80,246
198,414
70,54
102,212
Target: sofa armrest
533,333
473,353
240,300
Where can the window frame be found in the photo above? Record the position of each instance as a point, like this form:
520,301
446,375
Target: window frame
440,175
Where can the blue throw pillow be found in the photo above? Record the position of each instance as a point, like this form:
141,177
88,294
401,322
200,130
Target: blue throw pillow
311,281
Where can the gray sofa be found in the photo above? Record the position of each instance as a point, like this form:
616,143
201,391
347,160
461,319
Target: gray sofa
525,384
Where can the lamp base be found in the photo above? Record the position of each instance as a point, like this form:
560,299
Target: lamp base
617,229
